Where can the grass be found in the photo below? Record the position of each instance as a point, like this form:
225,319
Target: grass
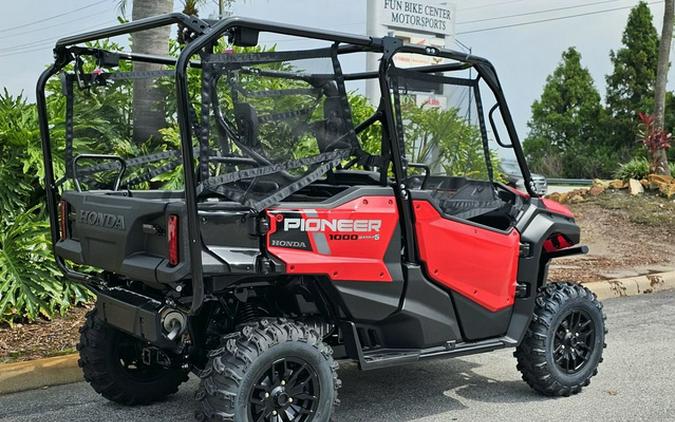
647,209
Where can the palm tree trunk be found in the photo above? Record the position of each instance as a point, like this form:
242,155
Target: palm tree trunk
660,159
148,100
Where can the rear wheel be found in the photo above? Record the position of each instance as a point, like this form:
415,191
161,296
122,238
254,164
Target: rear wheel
270,370
112,363
563,346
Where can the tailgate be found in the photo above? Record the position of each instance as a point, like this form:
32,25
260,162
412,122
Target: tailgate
122,234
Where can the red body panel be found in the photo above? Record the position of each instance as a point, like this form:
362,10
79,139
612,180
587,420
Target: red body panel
517,192
557,207
480,264
359,257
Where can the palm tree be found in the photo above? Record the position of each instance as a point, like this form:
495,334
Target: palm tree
660,159
148,106
148,100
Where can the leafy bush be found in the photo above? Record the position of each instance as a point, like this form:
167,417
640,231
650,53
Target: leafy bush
30,285
637,168
445,141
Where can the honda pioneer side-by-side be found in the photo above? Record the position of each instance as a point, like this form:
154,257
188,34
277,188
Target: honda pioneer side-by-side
275,221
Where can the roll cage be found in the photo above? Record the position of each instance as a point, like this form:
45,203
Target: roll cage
203,35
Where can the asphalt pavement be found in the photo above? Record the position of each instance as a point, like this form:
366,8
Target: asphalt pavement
635,382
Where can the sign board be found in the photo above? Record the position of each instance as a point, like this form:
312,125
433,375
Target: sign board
433,16
419,22
405,60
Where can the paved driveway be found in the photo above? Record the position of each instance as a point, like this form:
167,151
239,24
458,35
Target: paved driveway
636,382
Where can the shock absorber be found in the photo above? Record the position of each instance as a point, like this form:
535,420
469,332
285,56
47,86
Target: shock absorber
246,312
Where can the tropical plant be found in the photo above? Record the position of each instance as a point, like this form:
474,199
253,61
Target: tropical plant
444,140
656,141
637,168
30,285
371,138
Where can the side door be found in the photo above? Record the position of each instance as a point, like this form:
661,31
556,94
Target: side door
479,263
464,224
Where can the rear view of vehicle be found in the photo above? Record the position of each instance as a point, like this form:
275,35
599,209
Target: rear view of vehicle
275,221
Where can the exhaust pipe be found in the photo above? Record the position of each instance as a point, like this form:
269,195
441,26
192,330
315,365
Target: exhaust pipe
173,323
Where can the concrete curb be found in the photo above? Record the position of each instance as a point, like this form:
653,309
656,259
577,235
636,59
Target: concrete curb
633,286
33,374
29,375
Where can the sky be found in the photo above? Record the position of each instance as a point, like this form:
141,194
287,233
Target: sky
523,55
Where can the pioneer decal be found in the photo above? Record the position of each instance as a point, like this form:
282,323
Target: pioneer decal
321,240
100,219
342,225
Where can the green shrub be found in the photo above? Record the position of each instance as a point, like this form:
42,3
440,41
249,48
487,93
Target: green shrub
445,141
637,168
30,284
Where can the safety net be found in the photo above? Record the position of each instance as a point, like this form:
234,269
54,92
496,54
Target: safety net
265,125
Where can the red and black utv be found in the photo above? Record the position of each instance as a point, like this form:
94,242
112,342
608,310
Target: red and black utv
272,227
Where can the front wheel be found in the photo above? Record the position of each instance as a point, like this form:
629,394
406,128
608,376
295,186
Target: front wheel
563,345
269,370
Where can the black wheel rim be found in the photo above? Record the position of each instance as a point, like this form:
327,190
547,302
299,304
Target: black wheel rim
287,391
574,341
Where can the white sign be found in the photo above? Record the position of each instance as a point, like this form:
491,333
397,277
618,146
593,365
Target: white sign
424,15
406,60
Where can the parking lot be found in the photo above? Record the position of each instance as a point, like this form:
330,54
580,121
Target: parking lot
635,382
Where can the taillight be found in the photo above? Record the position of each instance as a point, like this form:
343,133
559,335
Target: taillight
172,238
63,210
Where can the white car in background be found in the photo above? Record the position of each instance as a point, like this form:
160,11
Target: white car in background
514,177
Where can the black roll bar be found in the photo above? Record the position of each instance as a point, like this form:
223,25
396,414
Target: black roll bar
207,33
216,31
64,52
195,24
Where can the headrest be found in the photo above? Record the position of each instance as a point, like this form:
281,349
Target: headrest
247,122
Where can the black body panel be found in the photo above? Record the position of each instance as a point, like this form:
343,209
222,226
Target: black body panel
425,317
477,322
124,235
535,225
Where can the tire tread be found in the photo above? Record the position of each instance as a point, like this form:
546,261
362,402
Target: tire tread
93,365
531,353
240,349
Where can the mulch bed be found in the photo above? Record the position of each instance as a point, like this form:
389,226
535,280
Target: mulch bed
611,226
626,236
41,338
